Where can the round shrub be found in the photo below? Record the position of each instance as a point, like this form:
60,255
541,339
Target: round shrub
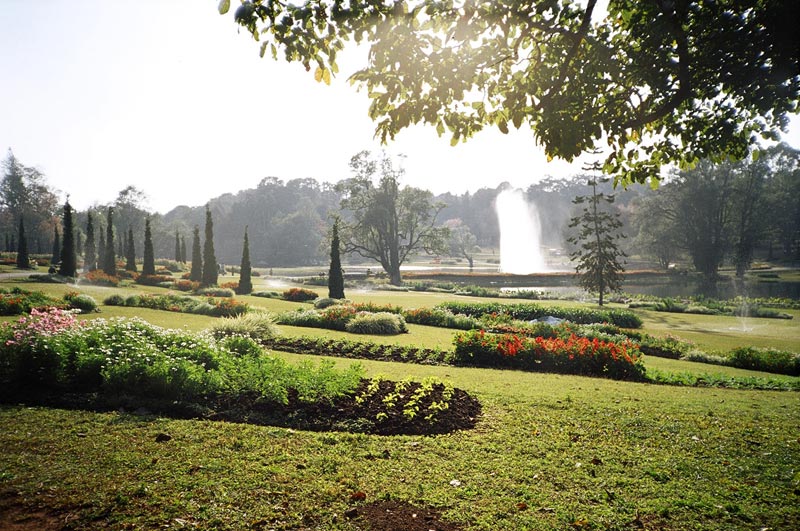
216,292
259,326
321,304
382,323
114,300
299,295
84,303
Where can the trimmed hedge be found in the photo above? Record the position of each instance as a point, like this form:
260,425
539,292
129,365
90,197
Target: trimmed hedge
530,311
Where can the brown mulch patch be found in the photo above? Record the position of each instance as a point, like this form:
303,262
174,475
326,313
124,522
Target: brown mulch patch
399,516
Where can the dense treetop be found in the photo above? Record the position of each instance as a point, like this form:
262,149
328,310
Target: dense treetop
652,82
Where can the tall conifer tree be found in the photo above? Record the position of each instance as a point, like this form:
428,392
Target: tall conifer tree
177,247
109,253
245,271
23,260
196,274
183,250
148,261
335,276
90,258
56,254
69,260
210,271
130,252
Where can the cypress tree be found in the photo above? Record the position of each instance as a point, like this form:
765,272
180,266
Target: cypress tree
122,245
13,244
130,252
79,243
210,271
109,256
56,255
196,274
183,250
69,261
245,272
90,258
177,247
101,250
7,248
335,276
23,260
148,262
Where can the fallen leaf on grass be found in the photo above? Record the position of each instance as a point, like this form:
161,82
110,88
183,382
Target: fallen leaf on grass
358,496
522,506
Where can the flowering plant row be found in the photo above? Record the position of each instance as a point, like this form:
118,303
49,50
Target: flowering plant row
571,355
530,311
212,306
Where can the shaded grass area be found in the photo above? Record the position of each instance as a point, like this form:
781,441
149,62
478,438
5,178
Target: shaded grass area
570,449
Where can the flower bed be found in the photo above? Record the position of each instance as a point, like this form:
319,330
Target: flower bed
346,317
299,295
573,355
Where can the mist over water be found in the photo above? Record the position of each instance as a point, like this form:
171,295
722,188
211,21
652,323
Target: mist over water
520,234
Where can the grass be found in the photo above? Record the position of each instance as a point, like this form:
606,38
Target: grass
579,452
550,452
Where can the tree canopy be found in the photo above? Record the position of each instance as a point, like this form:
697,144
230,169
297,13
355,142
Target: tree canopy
652,82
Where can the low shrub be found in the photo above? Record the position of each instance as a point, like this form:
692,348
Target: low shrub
766,359
233,285
259,326
114,300
441,318
325,302
299,295
84,303
530,311
154,280
185,285
216,292
266,294
574,355
181,303
380,323
170,265
98,278
17,301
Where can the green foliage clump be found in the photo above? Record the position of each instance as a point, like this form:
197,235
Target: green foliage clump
325,302
380,323
767,360
82,302
153,280
442,318
17,301
530,311
114,300
215,292
259,326
299,295
180,303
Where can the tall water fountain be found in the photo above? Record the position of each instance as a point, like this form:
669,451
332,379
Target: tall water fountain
520,234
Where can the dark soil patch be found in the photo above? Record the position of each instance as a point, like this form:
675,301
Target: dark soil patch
398,516
370,416
346,413
15,517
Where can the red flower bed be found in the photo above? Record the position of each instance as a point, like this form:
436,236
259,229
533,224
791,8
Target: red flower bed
573,355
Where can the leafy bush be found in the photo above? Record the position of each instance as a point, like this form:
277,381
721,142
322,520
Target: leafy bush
325,302
216,292
530,311
380,323
767,360
259,326
18,301
99,278
181,303
84,303
574,355
154,280
441,318
170,265
266,294
299,295
233,285
114,300
185,285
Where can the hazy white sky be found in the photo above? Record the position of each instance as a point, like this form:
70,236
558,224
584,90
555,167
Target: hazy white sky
169,96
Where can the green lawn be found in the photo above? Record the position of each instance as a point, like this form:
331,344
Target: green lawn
579,453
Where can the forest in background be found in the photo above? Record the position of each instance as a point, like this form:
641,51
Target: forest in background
700,218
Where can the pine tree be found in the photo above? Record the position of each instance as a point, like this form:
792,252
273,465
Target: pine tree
130,252
177,247
69,260
183,250
245,272
23,260
90,258
56,254
335,276
597,254
109,254
148,262
196,274
210,271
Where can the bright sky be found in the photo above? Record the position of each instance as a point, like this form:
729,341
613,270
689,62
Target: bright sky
169,96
